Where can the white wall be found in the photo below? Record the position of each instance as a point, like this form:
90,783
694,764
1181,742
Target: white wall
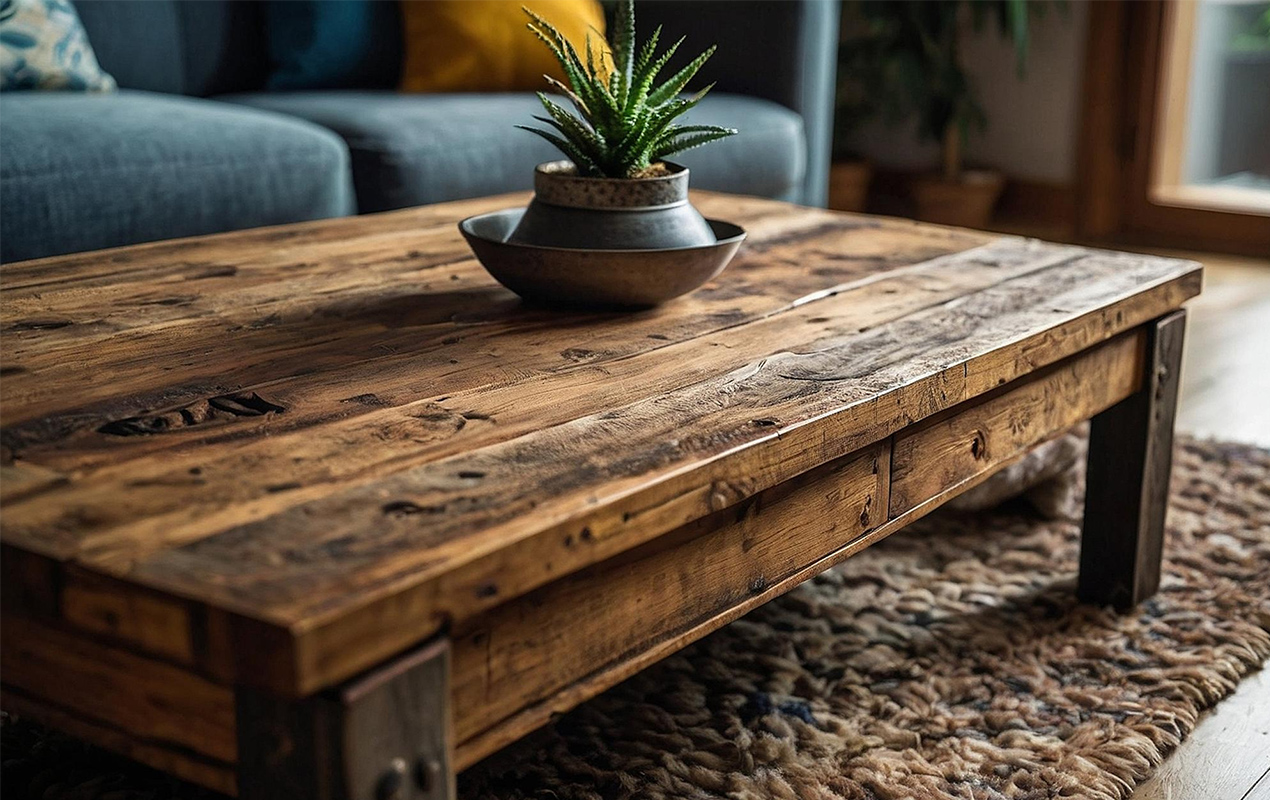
1033,123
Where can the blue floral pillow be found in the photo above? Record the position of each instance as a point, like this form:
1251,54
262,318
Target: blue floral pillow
43,46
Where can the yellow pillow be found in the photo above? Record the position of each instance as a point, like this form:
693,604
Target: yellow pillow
484,46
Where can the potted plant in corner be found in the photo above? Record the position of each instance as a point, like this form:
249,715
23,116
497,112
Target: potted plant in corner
612,225
916,52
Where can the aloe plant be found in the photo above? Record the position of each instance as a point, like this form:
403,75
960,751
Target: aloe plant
625,120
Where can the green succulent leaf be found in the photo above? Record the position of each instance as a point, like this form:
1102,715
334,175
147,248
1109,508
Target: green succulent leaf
622,123
648,74
623,47
678,130
680,144
576,130
675,85
668,112
647,52
573,97
584,164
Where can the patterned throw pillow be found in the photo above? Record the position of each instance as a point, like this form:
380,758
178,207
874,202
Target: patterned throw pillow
43,46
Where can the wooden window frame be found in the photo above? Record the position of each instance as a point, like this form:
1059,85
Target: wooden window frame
1124,88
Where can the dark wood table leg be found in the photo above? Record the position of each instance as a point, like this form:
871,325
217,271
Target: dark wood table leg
1130,459
382,736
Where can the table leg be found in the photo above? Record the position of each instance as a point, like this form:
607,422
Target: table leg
382,736
1130,459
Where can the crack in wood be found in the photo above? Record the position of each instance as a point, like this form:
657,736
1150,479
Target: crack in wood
39,325
219,409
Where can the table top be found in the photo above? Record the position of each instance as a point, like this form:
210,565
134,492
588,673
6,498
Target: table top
319,443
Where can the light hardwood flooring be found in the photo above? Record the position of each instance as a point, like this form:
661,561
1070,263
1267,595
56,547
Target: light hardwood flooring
1228,755
1226,371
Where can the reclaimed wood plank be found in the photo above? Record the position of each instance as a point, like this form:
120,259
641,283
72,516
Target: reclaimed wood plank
145,620
361,300
185,764
1130,460
207,483
959,444
437,573
493,652
157,703
623,613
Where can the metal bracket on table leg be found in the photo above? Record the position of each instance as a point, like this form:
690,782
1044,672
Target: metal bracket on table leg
382,736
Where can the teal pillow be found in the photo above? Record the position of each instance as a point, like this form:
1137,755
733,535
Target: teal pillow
43,46
333,44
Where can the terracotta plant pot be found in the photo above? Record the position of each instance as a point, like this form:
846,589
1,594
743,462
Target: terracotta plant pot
573,212
849,185
966,203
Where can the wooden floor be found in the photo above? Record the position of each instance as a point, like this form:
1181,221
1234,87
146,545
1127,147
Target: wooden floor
1226,372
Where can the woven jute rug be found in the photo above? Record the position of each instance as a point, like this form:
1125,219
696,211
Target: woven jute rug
950,661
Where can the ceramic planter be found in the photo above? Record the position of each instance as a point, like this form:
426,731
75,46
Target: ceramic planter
573,212
596,278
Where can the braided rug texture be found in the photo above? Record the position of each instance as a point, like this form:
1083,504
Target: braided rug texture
950,661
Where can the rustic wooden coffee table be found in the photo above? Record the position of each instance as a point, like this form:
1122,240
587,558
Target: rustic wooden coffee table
320,511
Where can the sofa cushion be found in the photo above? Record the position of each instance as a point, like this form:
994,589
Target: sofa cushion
461,46
43,46
333,44
84,171
194,47
414,149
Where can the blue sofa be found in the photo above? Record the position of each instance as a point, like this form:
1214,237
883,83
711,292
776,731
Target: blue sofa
192,143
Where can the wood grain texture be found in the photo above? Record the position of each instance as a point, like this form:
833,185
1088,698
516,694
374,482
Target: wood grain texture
623,614
185,764
1227,755
537,656
159,705
1130,461
328,442
146,620
947,450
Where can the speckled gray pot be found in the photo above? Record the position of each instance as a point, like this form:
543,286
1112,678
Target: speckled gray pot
610,213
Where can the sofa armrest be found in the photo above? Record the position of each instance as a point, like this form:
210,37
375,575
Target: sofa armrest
780,50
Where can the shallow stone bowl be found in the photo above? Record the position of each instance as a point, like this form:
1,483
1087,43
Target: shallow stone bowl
580,278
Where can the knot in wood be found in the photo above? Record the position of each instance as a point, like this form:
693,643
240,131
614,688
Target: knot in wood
724,494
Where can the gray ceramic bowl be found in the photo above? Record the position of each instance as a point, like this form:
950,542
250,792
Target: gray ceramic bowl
595,278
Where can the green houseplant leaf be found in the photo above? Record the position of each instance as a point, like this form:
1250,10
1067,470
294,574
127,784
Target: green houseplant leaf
906,55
